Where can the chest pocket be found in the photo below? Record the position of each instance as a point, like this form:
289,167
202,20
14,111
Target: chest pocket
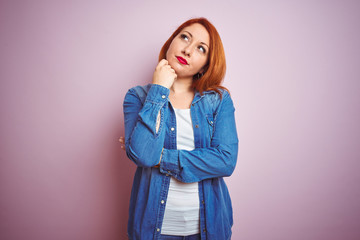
210,121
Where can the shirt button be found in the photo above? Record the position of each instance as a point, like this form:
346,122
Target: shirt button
172,129
163,96
169,172
162,201
158,229
211,122
197,126
204,230
203,202
167,175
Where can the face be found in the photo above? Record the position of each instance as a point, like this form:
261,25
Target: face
189,50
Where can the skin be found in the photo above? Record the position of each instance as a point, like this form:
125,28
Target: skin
192,45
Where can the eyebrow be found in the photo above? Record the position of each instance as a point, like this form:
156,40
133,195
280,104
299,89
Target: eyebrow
191,36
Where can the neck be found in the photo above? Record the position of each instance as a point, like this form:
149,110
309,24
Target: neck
182,86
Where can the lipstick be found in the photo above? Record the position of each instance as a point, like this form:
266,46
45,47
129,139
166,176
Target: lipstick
182,60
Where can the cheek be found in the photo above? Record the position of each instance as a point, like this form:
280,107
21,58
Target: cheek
167,54
171,48
202,62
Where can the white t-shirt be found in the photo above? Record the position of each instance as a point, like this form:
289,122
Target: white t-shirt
182,210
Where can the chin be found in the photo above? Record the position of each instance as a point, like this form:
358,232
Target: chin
176,66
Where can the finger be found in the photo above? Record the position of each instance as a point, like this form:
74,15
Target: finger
165,67
171,67
162,62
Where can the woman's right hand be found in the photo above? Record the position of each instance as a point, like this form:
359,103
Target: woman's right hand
164,74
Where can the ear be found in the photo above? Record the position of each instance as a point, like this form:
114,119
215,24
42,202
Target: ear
204,69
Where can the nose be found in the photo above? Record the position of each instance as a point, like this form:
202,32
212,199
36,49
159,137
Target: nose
187,50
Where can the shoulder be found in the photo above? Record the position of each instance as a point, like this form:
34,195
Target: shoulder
216,99
212,94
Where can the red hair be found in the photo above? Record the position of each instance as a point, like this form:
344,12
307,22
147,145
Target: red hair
215,68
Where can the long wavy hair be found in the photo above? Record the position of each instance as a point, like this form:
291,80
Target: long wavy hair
215,68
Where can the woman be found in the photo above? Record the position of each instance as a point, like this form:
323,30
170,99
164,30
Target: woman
180,132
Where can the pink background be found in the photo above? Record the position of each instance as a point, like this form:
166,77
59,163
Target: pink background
294,75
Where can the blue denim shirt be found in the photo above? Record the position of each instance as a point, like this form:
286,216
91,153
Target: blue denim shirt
214,157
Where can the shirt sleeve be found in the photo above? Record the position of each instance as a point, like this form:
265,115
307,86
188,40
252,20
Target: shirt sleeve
218,160
144,138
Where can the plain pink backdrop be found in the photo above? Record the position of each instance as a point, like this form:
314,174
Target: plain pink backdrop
293,71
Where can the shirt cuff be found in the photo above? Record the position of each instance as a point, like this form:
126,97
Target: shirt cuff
169,163
157,94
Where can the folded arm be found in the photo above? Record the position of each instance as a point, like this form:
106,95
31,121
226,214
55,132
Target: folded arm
218,160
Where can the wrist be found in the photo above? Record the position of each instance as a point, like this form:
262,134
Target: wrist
158,165
161,84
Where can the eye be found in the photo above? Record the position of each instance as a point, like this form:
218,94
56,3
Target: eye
184,36
202,49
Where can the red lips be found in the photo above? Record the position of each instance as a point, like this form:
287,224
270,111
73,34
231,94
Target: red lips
181,60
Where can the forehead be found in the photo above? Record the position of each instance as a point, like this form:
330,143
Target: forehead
198,32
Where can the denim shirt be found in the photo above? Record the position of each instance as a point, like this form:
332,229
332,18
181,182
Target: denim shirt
147,143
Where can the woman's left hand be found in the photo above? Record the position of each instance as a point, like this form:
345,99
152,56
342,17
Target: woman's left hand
122,141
